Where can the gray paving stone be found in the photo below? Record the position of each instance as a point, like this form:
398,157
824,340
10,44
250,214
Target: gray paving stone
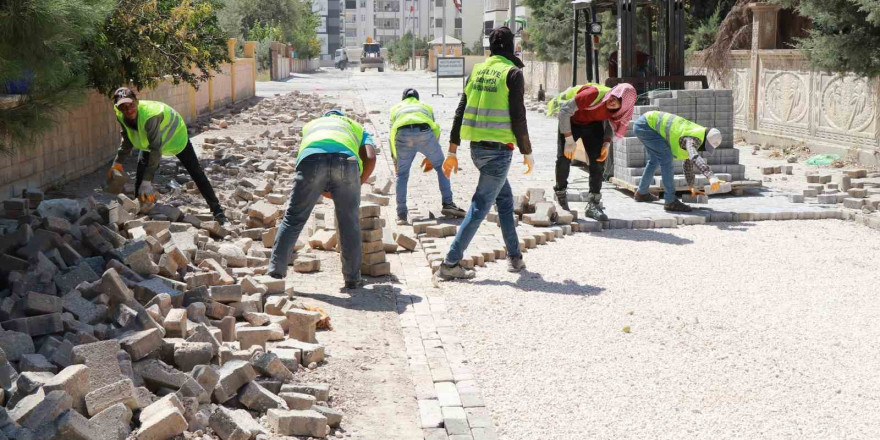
430,414
455,420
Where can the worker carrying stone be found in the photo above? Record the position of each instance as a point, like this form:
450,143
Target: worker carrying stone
668,137
413,130
157,130
595,114
492,115
335,158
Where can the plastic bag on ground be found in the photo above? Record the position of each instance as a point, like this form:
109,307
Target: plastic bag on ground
822,159
69,209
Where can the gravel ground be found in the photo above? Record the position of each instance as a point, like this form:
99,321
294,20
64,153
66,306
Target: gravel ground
764,330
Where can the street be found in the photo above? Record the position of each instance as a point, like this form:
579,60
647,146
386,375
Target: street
751,329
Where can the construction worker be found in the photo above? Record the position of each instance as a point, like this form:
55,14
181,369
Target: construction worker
335,158
594,114
668,137
413,130
157,130
492,115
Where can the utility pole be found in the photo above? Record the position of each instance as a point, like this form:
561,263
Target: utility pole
511,16
443,29
413,18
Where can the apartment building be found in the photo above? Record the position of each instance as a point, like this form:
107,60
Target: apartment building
388,20
330,31
495,14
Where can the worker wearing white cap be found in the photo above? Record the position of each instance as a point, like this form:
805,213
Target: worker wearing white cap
666,138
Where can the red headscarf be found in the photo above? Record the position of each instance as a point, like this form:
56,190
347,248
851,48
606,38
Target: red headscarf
627,95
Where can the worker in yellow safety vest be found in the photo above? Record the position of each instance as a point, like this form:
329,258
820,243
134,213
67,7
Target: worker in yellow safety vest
156,130
492,115
668,137
413,130
335,158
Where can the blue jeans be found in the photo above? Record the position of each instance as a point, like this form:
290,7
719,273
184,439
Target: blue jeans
338,174
492,188
408,142
659,154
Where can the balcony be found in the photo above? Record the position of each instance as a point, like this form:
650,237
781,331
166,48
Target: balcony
496,5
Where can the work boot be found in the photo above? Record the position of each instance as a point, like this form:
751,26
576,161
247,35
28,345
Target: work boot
595,210
677,206
455,271
562,199
515,264
645,198
450,210
401,219
354,284
220,217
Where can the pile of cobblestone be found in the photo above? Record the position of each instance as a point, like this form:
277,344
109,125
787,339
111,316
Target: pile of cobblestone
150,321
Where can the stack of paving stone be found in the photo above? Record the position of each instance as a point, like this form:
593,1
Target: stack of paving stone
374,261
150,321
709,108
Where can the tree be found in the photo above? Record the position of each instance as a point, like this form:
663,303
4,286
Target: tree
42,61
293,18
844,35
703,35
400,51
143,41
735,32
550,29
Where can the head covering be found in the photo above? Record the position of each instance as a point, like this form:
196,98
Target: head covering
123,95
410,92
501,42
627,95
713,140
335,111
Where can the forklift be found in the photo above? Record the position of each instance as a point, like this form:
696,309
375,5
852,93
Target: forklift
657,65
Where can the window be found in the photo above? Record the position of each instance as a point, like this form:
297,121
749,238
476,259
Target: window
438,22
439,3
458,23
487,27
350,4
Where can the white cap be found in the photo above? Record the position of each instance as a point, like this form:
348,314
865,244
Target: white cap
713,140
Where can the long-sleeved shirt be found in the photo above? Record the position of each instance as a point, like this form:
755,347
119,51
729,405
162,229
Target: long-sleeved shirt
692,145
574,111
151,126
516,102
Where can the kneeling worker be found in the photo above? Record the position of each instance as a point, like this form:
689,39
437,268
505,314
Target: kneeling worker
335,158
668,137
157,130
413,130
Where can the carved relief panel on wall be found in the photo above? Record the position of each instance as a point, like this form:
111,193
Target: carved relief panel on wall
784,101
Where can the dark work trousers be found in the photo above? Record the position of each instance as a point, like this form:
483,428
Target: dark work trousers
191,162
593,135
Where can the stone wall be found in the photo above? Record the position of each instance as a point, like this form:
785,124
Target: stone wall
555,77
85,138
791,103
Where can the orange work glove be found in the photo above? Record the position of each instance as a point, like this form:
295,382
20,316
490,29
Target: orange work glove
450,165
427,165
603,155
116,166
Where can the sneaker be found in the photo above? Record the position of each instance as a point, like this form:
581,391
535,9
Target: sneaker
562,199
447,272
515,264
276,275
677,206
354,284
401,219
449,209
645,198
220,217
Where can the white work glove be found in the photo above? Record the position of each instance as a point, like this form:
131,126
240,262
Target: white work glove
529,162
146,191
568,150
715,183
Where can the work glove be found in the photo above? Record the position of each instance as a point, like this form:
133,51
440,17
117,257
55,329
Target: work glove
568,149
426,165
529,162
603,155
147,193
116,166
715,183
696,192
327,195
450,165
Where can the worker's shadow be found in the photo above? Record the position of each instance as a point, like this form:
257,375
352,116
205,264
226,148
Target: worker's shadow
644,235
535,282
370,298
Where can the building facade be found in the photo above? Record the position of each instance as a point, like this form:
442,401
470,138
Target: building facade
330,30
495,15
388,20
